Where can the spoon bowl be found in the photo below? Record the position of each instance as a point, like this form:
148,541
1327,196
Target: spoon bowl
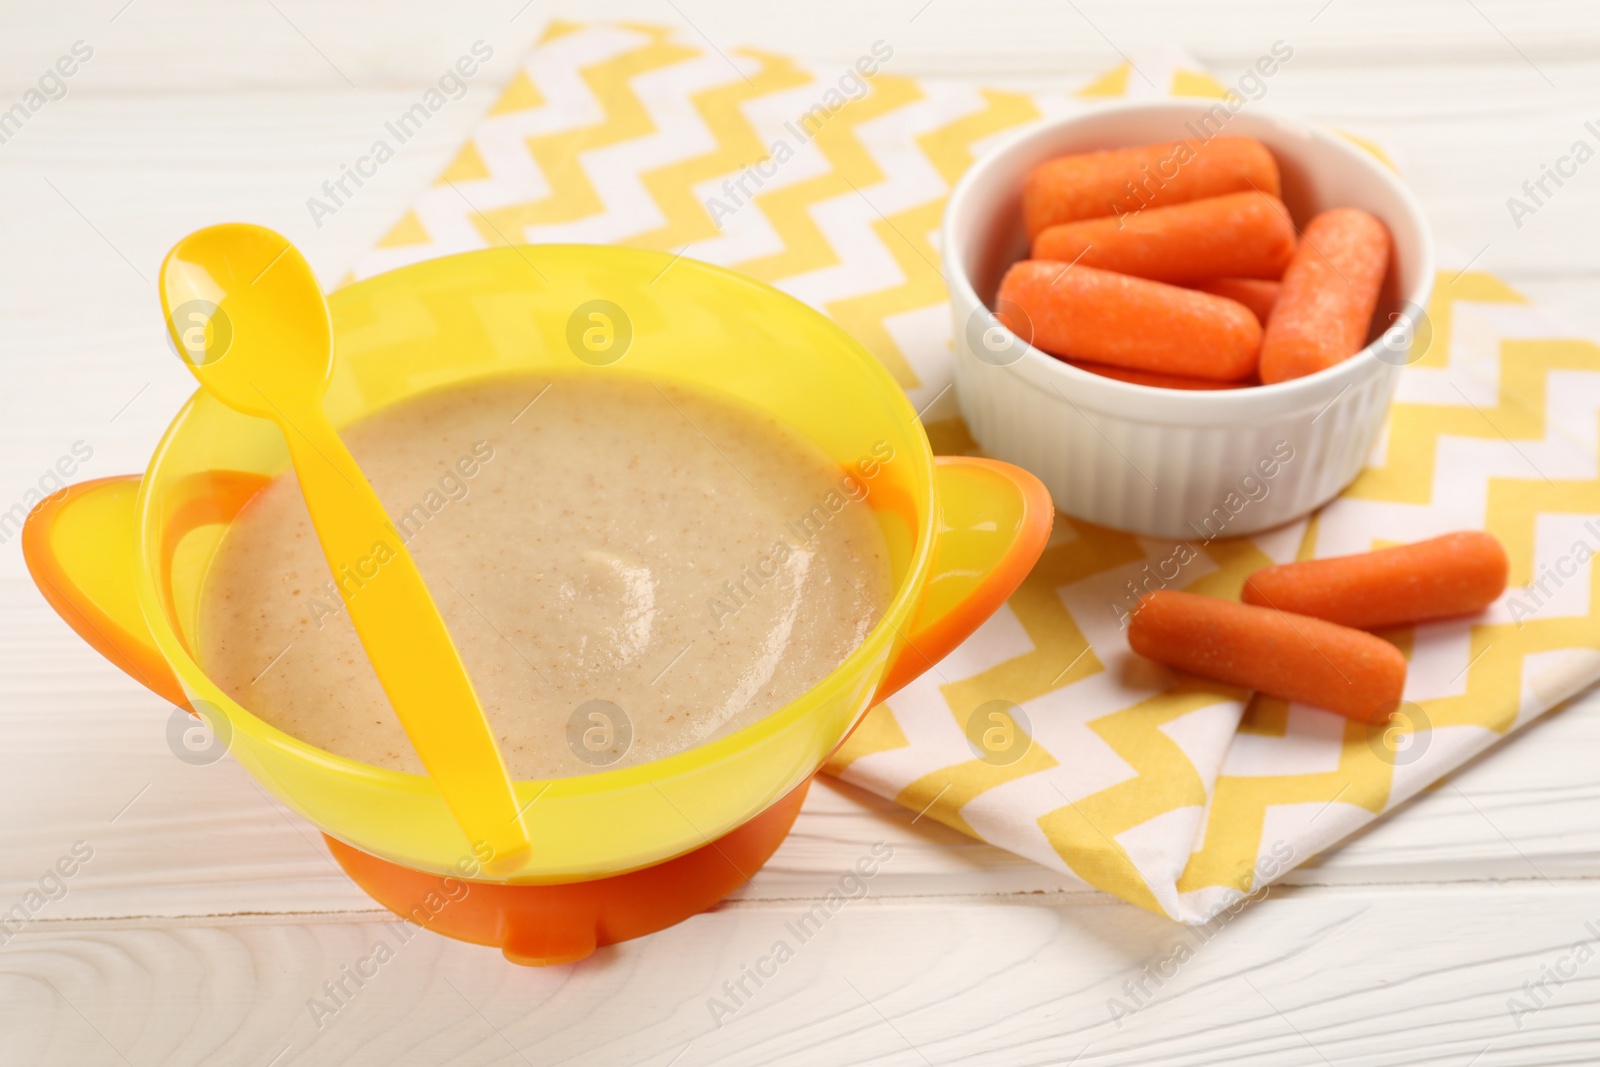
248,317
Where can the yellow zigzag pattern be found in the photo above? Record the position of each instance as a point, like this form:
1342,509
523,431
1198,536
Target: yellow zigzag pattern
1082,833
738,147
852,171
788,209
949,149
1494,677
625,118
1408,470
1058,657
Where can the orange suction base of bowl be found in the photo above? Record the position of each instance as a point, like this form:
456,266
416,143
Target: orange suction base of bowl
540,925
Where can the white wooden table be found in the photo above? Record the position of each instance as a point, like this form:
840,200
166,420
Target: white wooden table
208,916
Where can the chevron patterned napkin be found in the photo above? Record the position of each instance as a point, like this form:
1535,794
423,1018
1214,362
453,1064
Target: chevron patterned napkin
829,183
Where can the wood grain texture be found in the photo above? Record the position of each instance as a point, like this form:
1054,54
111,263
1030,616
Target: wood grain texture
208,915
1406,977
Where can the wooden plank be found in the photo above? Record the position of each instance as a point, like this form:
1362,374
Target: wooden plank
1304,977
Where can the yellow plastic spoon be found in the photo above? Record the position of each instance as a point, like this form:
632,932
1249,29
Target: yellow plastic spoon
249,317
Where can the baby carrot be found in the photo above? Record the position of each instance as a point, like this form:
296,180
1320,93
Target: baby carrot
1244,235
1294,657
1257,294
1102,317
1329,292
1123,180
1159,381
1457,574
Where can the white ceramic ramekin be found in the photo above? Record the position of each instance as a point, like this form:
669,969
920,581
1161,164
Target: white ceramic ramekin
1164,462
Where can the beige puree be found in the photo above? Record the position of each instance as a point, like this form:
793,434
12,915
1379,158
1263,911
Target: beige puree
695,564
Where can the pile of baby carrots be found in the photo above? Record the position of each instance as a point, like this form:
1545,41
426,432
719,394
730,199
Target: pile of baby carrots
1302,631
1194,281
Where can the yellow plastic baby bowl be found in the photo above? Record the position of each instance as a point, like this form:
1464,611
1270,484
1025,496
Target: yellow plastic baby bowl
617,853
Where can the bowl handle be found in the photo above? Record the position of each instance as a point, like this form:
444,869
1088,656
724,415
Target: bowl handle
79,546
994,520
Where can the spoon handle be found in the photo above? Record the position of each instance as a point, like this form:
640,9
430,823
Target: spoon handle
417,663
